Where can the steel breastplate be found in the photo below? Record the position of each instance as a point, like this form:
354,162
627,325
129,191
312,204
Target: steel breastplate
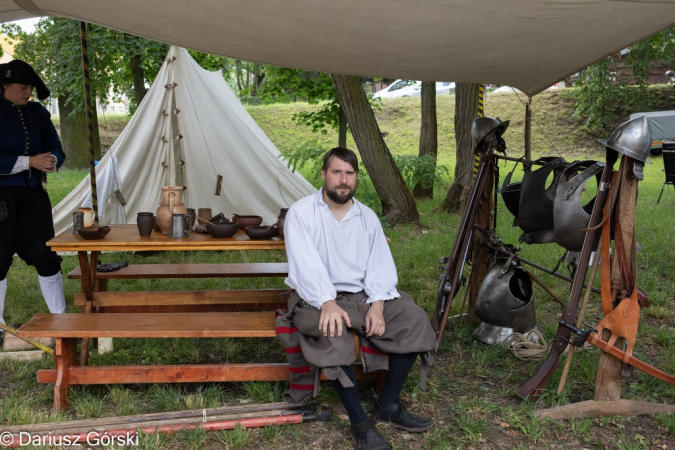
570,217
536,202
510,193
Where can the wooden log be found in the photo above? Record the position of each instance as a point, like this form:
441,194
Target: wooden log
592,408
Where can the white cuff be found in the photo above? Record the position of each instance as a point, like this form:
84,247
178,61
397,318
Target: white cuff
22,163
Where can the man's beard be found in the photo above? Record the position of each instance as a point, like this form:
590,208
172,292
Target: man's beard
339,198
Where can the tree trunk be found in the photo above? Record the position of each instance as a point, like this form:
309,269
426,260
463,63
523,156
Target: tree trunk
428,137
74,135
138,77
466,107
342,129
258,78
237,67
398,205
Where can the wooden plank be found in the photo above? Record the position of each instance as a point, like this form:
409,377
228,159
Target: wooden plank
592,409
205,297
136,271
126,238
230,307
158,325
189,373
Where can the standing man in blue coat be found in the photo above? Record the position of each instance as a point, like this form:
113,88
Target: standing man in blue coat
29,150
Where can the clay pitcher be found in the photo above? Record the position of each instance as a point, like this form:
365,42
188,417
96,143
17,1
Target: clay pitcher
172,203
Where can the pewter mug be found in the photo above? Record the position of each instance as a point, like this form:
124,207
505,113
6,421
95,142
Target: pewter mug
78,221
179,226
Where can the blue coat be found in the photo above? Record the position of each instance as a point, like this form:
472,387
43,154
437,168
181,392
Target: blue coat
41,135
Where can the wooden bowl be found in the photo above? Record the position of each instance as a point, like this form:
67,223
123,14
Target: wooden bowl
93,232
261,232
246,221
222,229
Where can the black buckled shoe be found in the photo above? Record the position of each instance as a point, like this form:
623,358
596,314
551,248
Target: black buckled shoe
397,415
366,436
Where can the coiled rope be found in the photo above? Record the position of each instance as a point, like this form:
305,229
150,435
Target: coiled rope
524,348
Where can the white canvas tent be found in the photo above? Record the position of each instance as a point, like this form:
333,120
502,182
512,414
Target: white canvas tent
189,130
528,44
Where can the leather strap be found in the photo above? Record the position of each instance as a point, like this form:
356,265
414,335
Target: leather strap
606,284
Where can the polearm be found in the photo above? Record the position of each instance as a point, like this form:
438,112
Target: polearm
562,338
90,126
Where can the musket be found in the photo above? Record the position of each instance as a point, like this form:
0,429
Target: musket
584,335
538,382
454,268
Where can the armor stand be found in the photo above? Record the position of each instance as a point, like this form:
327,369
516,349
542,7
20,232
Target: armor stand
607,400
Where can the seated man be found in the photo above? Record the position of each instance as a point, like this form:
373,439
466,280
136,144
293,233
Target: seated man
343,276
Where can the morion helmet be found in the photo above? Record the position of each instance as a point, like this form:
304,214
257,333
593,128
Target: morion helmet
481,127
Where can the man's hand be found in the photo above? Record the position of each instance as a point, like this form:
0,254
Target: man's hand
331,319
375,319
44,162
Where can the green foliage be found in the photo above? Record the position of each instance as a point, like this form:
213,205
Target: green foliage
54,50
422,170
618,83
235,439
667,421
308,154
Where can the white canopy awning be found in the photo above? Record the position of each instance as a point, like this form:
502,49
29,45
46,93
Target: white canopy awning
528,44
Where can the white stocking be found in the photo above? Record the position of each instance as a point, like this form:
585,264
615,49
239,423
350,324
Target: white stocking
3,291
52,291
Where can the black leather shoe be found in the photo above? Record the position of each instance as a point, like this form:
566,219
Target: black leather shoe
397,415
366,436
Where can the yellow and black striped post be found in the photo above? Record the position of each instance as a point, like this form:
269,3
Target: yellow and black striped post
480,113
90,126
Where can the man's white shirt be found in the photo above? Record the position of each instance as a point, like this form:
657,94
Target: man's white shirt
326,255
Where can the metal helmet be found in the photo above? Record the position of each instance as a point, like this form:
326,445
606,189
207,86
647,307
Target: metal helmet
481,127
570,217
632,138
504,304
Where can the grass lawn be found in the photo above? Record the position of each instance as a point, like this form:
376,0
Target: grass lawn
471,386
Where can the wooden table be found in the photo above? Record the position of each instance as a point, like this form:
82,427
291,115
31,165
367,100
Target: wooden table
124,238
217,313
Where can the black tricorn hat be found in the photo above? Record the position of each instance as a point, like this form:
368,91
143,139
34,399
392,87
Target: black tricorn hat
17,71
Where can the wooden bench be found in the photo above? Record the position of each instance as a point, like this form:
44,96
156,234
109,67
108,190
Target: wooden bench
67,328
136,271
187,301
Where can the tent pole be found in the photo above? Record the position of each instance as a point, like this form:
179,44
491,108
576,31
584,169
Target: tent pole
90,127
480,113
528,128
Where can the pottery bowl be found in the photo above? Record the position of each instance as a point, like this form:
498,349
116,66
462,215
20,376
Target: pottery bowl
259,233
222,229
93,232
247,221
220,218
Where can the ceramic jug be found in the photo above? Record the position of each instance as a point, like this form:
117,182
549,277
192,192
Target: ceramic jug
171,203
88,216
